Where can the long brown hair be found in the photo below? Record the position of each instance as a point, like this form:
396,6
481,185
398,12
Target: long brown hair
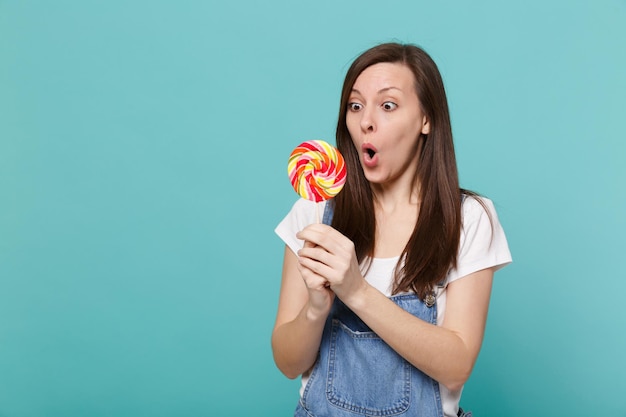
433,246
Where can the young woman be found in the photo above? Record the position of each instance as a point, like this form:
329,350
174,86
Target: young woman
382,307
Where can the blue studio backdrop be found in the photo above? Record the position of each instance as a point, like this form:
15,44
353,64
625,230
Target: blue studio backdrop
143,152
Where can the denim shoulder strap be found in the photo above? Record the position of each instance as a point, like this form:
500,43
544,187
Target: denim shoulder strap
328,213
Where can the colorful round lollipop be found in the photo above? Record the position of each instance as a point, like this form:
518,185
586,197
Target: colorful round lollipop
317,170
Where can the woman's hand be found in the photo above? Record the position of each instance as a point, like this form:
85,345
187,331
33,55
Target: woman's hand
320,296
328,259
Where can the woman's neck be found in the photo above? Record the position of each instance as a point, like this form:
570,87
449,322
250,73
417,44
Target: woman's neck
390,197
396,211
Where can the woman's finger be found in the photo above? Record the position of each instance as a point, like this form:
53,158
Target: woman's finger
318,234
326,237
319,269
316,253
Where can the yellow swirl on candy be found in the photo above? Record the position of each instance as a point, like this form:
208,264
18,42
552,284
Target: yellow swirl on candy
317,170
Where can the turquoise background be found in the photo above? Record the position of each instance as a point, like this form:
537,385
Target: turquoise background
143,150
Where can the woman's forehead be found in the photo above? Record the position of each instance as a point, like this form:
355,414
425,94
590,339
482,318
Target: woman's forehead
384,76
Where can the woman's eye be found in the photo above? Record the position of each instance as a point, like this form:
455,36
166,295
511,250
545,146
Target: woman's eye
354,106
389,105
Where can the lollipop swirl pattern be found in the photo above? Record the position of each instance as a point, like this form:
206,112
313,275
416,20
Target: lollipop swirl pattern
317,170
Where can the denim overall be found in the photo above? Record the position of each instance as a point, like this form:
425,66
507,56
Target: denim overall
358,374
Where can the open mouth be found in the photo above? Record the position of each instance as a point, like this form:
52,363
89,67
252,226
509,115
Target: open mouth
370,155
369,149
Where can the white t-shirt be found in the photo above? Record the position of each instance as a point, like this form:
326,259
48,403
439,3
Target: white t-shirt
482,245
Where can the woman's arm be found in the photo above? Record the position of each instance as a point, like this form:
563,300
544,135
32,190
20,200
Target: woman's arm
446,353
303,306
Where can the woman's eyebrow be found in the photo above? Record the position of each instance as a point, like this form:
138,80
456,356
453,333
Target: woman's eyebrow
381,91
386,89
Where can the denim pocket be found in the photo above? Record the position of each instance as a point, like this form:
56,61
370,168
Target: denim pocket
369,378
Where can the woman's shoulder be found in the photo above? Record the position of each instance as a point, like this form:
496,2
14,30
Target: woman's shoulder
483,243
479,218
476,206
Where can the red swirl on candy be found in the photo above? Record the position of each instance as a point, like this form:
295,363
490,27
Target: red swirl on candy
317,170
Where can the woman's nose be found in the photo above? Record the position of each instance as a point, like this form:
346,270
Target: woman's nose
367,122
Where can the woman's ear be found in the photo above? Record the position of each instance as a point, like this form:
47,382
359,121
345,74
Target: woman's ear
425,126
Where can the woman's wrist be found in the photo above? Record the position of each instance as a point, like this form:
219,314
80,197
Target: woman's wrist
357,298
315,315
